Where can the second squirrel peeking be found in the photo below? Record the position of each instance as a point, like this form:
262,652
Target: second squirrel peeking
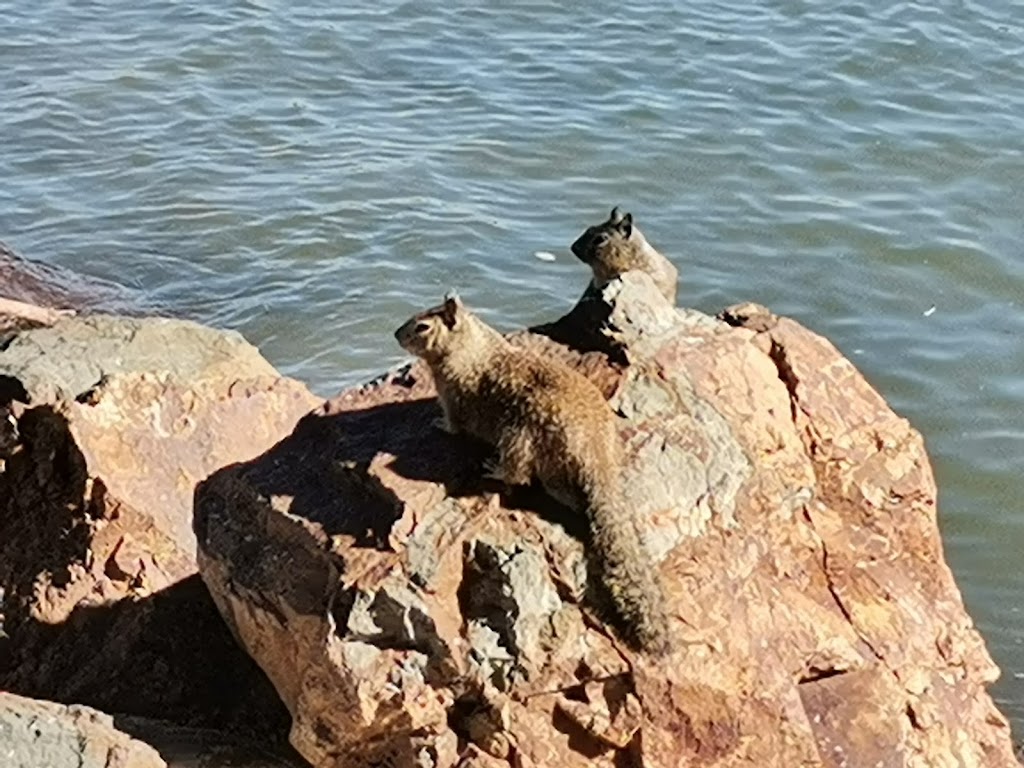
616,246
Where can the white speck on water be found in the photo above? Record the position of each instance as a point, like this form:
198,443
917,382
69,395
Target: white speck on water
544,255
930,311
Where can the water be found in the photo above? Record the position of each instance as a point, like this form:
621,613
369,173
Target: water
311,176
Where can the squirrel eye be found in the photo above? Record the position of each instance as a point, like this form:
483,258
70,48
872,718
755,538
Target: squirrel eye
421,327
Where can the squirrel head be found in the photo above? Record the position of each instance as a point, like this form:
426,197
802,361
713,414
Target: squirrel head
431,333
602,242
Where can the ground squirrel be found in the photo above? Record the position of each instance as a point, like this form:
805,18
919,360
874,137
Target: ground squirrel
616,246
548,422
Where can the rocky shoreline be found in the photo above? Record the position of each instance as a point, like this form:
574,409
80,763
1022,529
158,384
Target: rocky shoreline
233,569
117,418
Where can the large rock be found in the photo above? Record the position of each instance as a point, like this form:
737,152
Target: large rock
38,734
117,419
409,616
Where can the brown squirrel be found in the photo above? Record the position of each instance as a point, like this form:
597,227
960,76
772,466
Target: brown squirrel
551,423
616,246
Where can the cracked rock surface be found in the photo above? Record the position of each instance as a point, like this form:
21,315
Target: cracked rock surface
411,615
112,422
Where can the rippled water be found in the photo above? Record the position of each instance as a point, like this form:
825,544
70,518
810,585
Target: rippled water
310,176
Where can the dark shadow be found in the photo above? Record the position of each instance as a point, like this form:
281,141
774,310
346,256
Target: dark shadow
580,329
196,747
578,739
166,656
11,390
323,466
532,498
43,520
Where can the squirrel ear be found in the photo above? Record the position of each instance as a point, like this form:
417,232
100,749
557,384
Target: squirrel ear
625,225
451,308
615,217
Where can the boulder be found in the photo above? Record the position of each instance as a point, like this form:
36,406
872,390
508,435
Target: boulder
112,422
409,614
34,734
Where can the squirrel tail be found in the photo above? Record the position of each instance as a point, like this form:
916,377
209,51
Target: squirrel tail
623,569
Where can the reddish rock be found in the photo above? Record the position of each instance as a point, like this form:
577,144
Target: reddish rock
410,616
119,419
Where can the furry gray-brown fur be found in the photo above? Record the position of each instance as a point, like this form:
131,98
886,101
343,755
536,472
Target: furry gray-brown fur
551,423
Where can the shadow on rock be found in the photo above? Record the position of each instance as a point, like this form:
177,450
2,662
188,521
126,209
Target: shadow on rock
43,527
344,467
168,655
165,654
584,330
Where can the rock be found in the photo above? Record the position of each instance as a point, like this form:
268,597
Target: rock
77,354
118,419
34,734
45,291
52,287
197,747
406,612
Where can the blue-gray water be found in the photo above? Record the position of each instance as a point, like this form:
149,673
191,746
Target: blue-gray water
311,175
